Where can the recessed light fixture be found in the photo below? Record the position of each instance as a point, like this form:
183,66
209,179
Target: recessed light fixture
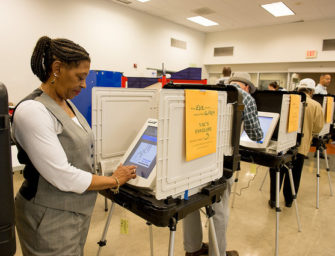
143,1
203,21
278,9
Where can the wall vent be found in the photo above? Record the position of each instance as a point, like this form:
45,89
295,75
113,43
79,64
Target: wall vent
203,11
178,43
124,1
223,51
328,45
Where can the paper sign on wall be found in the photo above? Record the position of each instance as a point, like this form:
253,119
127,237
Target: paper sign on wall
329,109
293,118
201,123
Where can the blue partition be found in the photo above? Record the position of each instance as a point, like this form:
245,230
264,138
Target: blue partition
141,82
187,74
95,78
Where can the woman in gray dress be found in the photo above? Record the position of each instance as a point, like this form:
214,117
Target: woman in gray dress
55,202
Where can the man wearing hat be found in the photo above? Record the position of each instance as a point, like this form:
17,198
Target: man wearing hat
242,81
192,222
313,123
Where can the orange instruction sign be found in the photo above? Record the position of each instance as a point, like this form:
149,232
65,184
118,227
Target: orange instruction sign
293,118
329,109
201,110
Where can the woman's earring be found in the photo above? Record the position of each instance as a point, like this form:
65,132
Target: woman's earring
53,80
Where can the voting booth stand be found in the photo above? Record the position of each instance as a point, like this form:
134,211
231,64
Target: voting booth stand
7,227
332,126
319,141
281,149
184,180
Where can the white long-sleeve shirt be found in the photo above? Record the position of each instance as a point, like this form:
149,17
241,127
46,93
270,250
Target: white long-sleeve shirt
35,130
320,89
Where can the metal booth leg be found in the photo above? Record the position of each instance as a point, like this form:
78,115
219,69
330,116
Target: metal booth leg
294,197
173,227
266,174
151,239
106,204
317,177
210,213
103,240
235,187
327,165
277,207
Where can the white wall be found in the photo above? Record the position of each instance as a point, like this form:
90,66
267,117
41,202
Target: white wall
272,44
115,36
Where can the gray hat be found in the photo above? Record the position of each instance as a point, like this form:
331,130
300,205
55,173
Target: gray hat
243,77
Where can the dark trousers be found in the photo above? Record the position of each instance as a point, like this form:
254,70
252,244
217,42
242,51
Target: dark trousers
296,173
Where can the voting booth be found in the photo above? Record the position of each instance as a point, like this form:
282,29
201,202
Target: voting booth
322,138
281,117
332,126
118,116
327,103
7,228
181,135
289,106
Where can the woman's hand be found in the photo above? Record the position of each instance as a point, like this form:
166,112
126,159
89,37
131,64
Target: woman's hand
124,173
120,176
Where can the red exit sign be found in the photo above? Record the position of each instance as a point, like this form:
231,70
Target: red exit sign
310,54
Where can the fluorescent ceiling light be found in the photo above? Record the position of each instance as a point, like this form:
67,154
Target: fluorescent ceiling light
202,21
143,1
278,9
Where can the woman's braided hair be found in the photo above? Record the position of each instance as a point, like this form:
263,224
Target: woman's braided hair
48,50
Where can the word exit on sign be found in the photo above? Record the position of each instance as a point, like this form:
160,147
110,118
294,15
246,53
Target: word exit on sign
311,54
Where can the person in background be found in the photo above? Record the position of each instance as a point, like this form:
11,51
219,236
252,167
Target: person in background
323,84
313,123
273,86
192,223
321,88
55,202
226,73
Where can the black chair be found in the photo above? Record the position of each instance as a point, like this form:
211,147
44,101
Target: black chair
7,228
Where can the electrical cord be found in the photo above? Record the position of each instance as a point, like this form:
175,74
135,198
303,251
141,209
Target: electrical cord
250,180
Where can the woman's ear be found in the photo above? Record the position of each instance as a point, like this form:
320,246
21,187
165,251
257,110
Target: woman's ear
56,67
248,88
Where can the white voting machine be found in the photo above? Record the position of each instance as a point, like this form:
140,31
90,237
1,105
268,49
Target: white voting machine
143,153
268,122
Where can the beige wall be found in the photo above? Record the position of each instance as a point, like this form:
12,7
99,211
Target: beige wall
272,44
115,36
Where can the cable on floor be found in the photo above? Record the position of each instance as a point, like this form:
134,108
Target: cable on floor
252,179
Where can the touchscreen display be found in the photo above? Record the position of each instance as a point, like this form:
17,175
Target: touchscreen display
265,123
144,153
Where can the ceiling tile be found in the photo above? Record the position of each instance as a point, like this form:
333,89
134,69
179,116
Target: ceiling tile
233,14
